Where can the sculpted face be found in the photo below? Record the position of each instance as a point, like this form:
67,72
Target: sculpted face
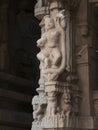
49,23
66,97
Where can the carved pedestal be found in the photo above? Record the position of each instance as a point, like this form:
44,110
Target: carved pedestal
58,105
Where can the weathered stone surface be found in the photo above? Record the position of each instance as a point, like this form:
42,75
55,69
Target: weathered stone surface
63,95
60,86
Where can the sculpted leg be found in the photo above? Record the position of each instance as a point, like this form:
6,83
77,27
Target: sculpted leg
55,57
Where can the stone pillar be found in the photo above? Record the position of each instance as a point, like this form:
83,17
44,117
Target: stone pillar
4,35
57,104
83,44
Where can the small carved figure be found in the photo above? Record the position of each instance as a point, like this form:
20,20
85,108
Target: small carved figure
39,105
35,101
66,105
52,103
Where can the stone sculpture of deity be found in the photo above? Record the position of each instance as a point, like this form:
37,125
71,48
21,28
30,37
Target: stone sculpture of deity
50,53
52,43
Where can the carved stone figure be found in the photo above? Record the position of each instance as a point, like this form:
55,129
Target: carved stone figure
39,104
51,104
52,35
35,102
52,44
50,52
55,109
66,107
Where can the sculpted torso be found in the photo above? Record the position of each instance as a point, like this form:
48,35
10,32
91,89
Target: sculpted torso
53,57
49,44
52,38
53,47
